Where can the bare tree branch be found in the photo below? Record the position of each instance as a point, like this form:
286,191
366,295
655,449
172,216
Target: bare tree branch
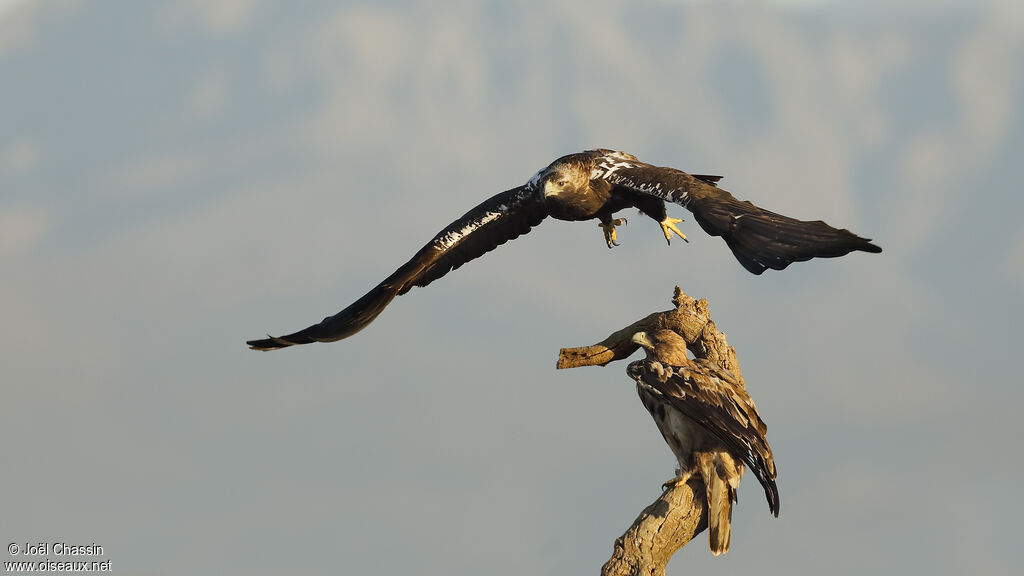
680,513
664,527
690,319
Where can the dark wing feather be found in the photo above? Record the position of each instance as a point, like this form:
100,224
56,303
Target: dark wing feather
666,184
495,221
715,401
759,239
713,180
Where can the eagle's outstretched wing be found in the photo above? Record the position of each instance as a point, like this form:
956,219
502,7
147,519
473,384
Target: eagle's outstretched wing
495,221
759,239
715,401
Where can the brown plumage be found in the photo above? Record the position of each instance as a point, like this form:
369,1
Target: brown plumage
592,185
710,423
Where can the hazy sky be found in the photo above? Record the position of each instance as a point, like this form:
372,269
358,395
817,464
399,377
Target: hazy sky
178,177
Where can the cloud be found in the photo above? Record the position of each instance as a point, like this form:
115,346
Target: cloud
220,18
209,94
20,20
6,6
19,158
22,230
927,166
988,94
1015,260
17,24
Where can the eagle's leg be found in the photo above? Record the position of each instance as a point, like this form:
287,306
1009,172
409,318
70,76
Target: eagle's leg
668,225
608,226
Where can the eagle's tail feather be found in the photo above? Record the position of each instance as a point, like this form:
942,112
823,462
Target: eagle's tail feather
720,496
761,239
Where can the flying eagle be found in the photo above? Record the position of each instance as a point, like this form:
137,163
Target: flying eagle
710,423
584,186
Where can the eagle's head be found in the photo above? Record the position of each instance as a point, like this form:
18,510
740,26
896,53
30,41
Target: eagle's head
561,179
663,345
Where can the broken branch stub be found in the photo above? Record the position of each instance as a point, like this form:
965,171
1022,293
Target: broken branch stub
690,319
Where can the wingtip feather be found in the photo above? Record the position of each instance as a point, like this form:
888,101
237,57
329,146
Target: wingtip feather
268,343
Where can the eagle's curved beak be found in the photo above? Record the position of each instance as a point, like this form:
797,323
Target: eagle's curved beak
641,339
549,188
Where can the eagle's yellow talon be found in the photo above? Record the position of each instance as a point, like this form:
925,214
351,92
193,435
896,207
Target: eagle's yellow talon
668,225
610,238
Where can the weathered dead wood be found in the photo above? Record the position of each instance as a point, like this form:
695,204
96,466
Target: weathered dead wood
690,319
665,526
680,512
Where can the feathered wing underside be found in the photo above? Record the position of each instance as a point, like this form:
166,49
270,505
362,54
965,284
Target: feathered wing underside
493,222
760,239
712,399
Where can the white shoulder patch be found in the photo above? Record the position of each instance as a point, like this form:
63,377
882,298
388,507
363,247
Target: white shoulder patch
609,165
612,162
535,179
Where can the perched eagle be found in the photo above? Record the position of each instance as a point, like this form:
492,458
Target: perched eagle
584,186
709,422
